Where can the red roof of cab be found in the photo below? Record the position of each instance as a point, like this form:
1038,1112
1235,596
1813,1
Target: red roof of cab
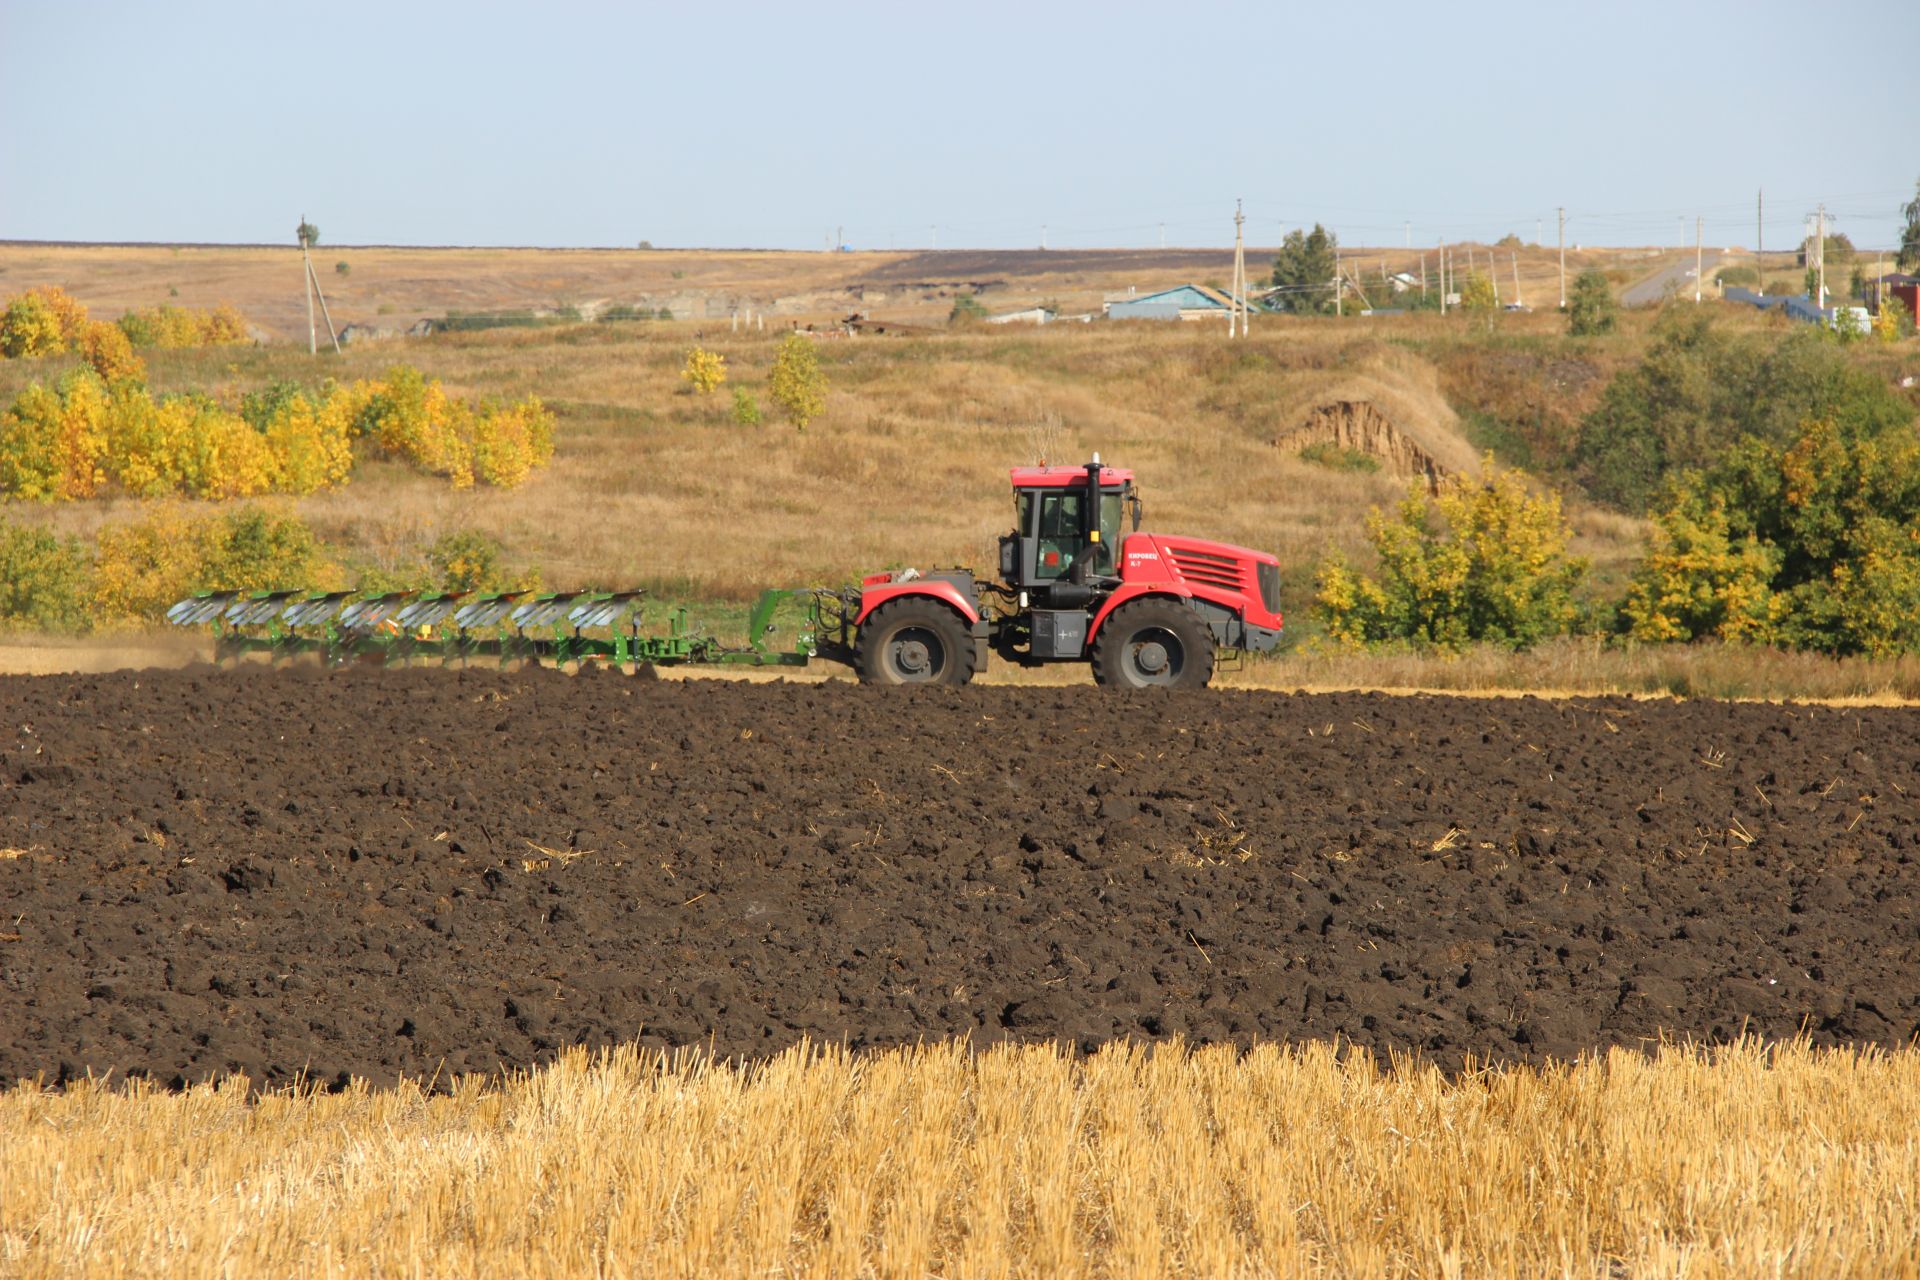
1058,477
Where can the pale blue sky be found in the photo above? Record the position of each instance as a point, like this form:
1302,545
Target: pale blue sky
977,124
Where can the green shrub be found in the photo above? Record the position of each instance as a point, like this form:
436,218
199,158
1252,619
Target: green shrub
1811,544
467,560
746,410
1590,307
966,311
1339,458
44,581
1478,562
1699,390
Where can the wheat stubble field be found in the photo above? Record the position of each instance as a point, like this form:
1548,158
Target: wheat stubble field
1015,1161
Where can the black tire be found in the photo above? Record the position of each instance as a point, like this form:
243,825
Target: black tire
914,642
1153,643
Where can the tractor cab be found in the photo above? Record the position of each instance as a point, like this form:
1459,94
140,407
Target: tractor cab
1067,527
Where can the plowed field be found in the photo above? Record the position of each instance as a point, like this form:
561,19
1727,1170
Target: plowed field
377,873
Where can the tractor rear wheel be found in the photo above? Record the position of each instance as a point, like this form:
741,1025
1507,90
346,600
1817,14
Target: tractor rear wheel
914,642
1154,642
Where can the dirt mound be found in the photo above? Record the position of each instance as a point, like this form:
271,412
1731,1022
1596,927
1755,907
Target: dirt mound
372,873
1388,405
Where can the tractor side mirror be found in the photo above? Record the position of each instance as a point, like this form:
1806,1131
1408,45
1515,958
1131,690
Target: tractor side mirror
1138,511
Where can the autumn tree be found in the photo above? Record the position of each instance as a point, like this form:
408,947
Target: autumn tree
797,384
1481,561
704,370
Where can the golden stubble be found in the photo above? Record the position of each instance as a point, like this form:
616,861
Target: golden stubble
940,1160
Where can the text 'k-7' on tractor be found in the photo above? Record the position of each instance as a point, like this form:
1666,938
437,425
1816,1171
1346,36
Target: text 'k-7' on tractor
1142,609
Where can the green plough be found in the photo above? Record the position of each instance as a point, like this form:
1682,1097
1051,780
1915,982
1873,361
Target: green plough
558,629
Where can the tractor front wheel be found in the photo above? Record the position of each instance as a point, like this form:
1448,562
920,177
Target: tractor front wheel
914,642
1154,642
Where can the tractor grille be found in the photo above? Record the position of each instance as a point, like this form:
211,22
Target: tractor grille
1209,569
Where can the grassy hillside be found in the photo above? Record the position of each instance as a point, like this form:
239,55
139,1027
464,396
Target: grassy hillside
656,485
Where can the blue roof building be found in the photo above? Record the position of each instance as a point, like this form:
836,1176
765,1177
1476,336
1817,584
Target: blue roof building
1182,302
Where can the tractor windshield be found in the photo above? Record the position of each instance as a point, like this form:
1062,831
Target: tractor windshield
1061,529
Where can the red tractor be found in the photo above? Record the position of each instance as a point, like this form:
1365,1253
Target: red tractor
1143,608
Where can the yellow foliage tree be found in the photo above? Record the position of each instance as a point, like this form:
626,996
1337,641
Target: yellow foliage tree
29,327
142,567
1699,580
796,384
1477,294
223,326
149,446
68,311
231,459
511,441
168,326
106,348
68,442
1890,319
312,449
1481,561
705,369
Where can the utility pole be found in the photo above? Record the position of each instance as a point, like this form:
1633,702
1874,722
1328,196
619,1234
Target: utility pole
1440,267
1699,262
1043,235
1337,290
1237,314
313,291
1493,278
1820,235
306,273
1518,301
1563,256
1760,239
1423,275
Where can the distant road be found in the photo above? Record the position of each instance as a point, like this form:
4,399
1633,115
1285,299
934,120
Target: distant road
1678,277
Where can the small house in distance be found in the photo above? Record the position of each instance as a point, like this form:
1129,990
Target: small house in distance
1899,285
1182,302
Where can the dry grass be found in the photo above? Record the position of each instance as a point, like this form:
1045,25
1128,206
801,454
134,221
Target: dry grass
654,486
1782,1161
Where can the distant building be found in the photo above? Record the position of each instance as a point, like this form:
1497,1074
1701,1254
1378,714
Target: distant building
1894,285
1182,302
1032,315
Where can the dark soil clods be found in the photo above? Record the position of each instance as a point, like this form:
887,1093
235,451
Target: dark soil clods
356,874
